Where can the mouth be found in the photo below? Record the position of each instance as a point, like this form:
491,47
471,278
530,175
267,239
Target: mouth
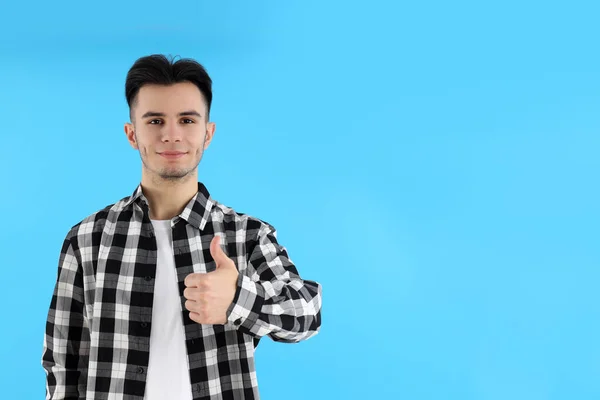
172,155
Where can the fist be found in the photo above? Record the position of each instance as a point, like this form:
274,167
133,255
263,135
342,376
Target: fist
210,295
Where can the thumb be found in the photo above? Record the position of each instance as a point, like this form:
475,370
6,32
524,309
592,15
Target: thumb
217,253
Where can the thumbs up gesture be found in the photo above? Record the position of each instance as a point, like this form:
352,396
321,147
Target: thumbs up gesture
210,295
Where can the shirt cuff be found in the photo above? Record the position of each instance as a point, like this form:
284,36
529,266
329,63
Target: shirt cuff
245,309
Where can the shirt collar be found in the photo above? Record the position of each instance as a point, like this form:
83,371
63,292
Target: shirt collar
196,212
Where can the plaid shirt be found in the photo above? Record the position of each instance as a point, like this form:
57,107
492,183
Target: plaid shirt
97,339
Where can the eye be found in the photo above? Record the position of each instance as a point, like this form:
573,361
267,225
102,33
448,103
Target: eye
152,121
190,120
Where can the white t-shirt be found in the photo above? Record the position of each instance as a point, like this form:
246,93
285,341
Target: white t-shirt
168,368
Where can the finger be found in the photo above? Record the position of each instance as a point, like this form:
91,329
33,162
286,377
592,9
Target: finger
192,306
192,293
192,280
217,252
195,317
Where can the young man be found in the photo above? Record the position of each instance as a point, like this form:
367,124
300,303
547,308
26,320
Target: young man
166,293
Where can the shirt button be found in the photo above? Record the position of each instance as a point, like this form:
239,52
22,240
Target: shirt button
144,324
148,278
238,321
193,341
140,370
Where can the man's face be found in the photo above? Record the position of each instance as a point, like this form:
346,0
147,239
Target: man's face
170,119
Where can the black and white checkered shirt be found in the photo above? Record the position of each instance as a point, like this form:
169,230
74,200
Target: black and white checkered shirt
97,339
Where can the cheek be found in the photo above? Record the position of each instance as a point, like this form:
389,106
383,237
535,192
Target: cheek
145,148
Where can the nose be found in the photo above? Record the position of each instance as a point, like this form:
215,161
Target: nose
171,133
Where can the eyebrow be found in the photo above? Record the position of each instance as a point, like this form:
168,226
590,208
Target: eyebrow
181,114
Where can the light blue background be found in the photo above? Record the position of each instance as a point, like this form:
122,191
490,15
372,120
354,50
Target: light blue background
434,166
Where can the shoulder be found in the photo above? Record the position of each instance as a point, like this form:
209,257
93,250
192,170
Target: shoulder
240,220
96,221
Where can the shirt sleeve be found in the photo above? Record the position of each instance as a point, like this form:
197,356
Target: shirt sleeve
271,298
66,340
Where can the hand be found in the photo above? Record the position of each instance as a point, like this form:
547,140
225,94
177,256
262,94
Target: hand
210,295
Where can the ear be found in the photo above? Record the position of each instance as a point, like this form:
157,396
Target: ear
130,133
211,127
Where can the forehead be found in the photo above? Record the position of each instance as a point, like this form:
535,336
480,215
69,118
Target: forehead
168,98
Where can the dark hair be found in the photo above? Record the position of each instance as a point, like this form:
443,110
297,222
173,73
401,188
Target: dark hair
157,69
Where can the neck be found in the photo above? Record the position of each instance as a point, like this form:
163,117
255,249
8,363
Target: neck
167,199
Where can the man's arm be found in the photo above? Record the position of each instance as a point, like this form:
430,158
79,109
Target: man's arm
66,341
271,297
